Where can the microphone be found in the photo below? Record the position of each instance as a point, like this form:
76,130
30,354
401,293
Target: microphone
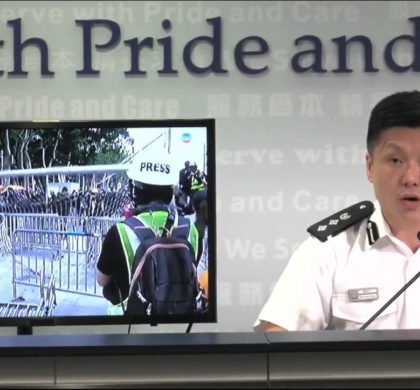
393,298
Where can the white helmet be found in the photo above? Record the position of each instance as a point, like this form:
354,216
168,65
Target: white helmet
153,167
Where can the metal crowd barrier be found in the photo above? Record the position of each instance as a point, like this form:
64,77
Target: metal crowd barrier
100,225
5,240
30,309
69,256
54,222
66,248
20,309
37,221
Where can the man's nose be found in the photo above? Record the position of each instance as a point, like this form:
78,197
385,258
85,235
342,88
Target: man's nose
411,176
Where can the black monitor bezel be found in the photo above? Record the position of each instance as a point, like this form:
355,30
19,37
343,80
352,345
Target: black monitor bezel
209,316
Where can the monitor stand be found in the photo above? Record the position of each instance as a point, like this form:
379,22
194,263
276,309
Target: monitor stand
189,327
24,329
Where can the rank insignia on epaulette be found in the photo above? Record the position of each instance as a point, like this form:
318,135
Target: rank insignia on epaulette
342,220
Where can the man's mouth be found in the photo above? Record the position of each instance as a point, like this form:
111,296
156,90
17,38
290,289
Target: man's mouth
410,199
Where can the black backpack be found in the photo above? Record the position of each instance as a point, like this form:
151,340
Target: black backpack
163,274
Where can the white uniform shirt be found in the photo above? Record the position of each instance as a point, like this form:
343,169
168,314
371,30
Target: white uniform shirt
341,283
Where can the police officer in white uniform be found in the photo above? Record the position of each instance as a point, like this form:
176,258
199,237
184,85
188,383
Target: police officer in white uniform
355,261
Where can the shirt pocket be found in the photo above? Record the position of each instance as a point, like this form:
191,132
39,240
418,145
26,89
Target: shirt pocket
352,315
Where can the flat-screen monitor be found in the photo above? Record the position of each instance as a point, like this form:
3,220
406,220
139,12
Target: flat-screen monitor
65,185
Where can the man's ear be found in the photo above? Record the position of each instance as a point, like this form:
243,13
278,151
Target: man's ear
369,168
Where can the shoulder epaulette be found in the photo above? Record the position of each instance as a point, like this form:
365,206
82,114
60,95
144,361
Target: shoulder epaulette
341,220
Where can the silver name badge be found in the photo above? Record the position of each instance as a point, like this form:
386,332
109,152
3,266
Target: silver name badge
363,294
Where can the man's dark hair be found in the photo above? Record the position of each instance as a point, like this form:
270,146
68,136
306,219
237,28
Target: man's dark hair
398,109
142,194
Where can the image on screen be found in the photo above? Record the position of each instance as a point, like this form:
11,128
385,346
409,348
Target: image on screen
64,185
